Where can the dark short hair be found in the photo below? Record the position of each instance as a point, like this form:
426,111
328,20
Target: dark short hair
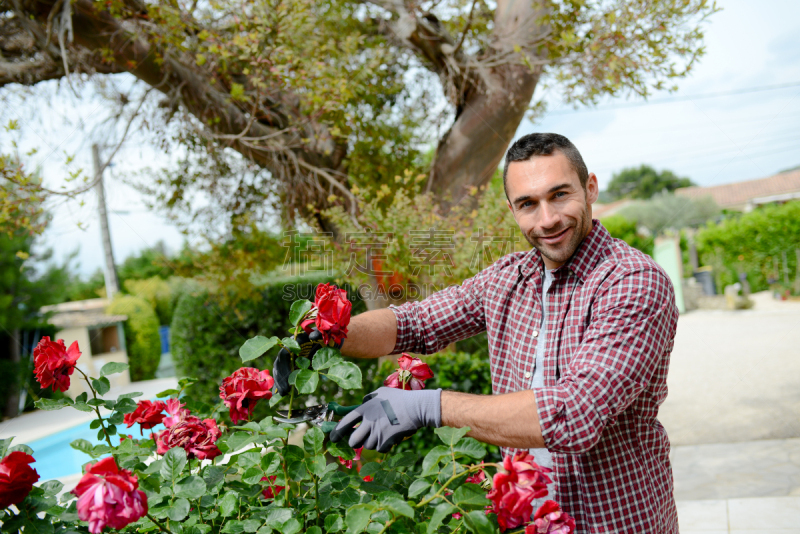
544,144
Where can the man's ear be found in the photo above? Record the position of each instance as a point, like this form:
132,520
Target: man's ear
592,189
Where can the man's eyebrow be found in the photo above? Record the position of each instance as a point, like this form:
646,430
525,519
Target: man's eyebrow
557,187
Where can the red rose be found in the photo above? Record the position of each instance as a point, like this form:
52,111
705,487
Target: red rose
109,496
412,374
332,313
349,463
147,414
368,478
271,491
198,438
53,363
243,389
550,519
456,516
16,478
515,489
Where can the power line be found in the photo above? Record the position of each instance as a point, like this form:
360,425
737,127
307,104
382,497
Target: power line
670,100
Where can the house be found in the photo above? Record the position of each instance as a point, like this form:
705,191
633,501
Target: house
100,337
747,195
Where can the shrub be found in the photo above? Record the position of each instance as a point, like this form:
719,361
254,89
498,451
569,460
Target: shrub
626,229
207,333
141,335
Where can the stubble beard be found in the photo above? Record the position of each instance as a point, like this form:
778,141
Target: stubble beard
564,251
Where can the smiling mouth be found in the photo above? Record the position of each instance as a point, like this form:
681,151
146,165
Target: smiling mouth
555,238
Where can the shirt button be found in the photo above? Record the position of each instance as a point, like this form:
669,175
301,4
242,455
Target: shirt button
535,333
527,375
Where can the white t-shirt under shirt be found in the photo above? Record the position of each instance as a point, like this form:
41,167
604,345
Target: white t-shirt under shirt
542,456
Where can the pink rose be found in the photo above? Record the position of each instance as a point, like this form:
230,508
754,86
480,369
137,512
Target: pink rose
243,389
515,489
53,363
550,519
332,314
109,496
456,516
198,438
147,414
412,374
268,491
16,478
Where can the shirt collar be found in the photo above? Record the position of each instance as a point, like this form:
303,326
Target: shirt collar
588,255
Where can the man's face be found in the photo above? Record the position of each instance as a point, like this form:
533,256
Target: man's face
551,208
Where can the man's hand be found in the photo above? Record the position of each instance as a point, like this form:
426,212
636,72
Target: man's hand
388,416
282,368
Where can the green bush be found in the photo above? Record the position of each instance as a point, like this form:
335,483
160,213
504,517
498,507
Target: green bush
141,335
626,229
751,243
206,336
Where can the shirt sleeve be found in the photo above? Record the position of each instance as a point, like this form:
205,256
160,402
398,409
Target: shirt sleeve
633,325
447,316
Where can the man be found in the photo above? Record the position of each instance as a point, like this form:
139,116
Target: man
580,331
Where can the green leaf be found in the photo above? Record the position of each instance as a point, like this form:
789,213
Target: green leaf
101,385
439,513
116,418
357,517
82,445
233,527
174,462
227,504
255,347
213,474
83,407
325,357
292,526
298,310
49,404
312,440
252,475
450,436
83,397
130,395
471,447
303,363
192,487
333,523
113,368
125,406
291,345
306,381
52,487
470,496
276,398
430,464
248,459
476,521
346,374
270,463
316,464
341,449
179,509
198,529
418,487
38,526
4,445
167,393
397,506
251,525
314,530
239,440
276,516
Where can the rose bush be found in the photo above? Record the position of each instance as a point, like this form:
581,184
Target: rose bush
208,472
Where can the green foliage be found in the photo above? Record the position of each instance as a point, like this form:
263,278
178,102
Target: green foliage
644,182
626,229
207,335
141,335
751,243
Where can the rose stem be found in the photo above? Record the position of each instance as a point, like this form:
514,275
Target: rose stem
97,409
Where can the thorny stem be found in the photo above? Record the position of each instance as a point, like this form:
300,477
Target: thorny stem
386,526
160,526
316,500
452,479
286,476
96,408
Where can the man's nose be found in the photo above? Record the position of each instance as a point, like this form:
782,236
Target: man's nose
548,216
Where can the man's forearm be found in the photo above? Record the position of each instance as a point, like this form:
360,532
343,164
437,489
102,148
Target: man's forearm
509,420
371,335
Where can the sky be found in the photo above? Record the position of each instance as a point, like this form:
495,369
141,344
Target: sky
702,132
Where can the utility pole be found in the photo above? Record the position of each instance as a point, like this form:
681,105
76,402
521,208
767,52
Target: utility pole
110,271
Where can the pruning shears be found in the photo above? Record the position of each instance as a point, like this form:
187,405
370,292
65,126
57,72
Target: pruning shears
320,415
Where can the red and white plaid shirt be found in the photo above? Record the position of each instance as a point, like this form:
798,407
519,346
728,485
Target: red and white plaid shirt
611,319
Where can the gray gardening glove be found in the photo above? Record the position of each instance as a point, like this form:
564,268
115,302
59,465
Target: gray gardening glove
282,367
388,416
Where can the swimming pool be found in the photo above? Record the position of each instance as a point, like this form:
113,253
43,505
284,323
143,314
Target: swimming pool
55,458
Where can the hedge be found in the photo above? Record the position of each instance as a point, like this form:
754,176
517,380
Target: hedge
141,335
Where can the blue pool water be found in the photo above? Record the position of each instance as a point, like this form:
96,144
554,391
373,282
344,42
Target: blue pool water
55,458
